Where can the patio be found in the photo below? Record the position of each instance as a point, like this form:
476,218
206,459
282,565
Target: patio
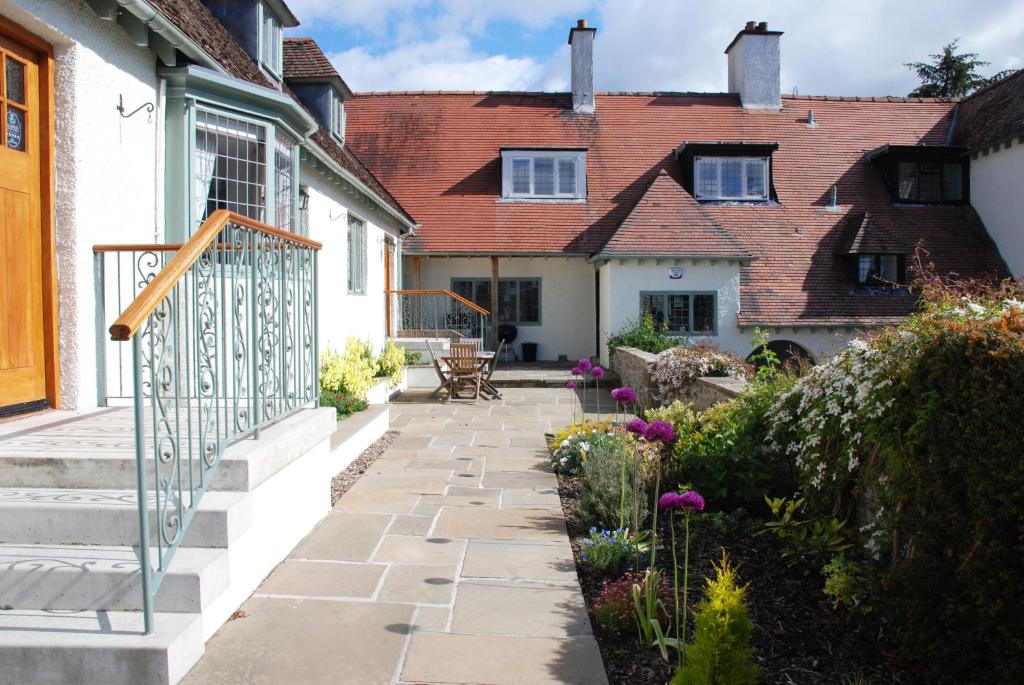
448,562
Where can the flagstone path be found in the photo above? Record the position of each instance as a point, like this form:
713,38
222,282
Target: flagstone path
447,562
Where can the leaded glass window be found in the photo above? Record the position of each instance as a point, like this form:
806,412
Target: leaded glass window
230,166
680,313
731,178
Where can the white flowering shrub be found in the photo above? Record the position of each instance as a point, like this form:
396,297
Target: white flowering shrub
569,449
676,368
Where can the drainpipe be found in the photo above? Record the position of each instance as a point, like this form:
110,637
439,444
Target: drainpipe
158,175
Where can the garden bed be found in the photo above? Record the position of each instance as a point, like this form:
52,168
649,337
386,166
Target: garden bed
798,637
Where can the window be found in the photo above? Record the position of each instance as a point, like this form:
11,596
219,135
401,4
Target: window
518,298
337,115
930,182
879,269
544,174
731,178
270,42
356,256
284,172
230,166
678,313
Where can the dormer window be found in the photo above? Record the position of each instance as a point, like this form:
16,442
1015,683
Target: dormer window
337,115
727,171
923,174
543,174
270,42
731,178
879,269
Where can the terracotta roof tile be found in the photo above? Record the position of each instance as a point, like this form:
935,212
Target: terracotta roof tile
874,233
193,19
439,154
992,114
666,222
304,60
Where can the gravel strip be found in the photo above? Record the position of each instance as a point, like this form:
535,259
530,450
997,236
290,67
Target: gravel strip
347,478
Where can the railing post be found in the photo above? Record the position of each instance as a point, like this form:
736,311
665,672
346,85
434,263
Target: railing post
140,484
316,330
251,348
99,297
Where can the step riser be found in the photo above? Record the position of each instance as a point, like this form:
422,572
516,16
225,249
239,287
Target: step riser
66,586
57,524
108,473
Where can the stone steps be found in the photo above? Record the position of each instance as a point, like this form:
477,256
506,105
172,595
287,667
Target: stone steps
110,517
81,577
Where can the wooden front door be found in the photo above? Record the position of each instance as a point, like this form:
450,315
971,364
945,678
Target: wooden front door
22,359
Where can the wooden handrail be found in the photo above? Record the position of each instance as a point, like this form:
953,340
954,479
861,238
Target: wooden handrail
458,298
137,247
136,313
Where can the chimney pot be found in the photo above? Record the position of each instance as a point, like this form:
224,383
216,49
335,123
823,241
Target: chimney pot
749,26
581,23
762,27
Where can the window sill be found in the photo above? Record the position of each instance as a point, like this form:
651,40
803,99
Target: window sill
902,204
542,200
736,201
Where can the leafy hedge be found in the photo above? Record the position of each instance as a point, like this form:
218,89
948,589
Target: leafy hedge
643,335
917,436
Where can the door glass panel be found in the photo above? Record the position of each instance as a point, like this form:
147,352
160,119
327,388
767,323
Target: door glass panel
15,125
15,78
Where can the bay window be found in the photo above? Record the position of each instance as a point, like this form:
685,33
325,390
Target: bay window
543,174
680,313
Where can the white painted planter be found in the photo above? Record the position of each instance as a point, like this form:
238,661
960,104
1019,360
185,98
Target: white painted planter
382,393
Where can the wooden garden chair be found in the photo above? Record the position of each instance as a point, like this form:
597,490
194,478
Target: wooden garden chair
465,370
491,366
442,371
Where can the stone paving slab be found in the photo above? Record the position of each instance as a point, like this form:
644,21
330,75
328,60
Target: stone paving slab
448,562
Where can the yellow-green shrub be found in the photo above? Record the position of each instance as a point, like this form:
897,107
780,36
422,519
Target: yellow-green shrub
390,362
351,371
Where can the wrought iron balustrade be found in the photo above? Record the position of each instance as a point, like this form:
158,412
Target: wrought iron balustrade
435,314
223,333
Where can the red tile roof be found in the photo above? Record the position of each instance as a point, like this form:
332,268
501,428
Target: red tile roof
992,114
667,221
439,155
304,60
195,20
869,234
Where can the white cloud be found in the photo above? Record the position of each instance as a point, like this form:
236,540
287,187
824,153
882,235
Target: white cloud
829,47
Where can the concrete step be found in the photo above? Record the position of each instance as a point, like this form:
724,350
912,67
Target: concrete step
80,577
98,451
94,647
110,517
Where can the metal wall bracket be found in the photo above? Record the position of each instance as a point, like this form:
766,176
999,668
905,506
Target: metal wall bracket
148,106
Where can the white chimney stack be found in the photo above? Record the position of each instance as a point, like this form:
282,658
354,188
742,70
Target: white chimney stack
755,66
581,38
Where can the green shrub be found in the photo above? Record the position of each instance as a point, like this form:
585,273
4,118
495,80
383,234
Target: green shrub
808,542
643,335
844,583
916,434
720,652
573,445
351,372
614,609
412,358
343,402
605,503
390,363
610,552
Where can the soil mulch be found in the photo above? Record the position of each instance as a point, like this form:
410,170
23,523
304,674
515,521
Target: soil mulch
798,637
347,478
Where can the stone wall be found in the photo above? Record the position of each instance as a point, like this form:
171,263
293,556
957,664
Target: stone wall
634,369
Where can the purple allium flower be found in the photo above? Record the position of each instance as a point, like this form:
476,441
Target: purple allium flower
670,501
571,385
637,426
660,431
624,395
584,364
577,371
597,372
691,500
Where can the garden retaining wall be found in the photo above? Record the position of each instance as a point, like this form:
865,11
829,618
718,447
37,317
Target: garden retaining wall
634,369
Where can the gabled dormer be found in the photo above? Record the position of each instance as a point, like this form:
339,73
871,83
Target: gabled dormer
313,78
923,174
258,27
723,171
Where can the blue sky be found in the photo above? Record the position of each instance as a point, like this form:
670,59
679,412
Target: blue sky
853,47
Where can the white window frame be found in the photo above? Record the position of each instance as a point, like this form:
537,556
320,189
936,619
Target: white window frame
508,158
271,57
337,115
744,196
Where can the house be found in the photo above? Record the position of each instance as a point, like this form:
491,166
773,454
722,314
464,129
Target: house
990,126
174,175
569,214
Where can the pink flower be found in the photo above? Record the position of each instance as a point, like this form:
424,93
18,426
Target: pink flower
571,385
597,372
637,426
660,431
584,364
624,395
670,501
577,371
689,501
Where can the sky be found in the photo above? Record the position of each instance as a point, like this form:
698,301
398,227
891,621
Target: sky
830,47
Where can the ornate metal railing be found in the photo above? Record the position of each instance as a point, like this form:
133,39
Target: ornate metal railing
435,314
223,342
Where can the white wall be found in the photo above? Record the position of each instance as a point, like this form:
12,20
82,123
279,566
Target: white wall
567,307
343,315
623,280
106,166
996,194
